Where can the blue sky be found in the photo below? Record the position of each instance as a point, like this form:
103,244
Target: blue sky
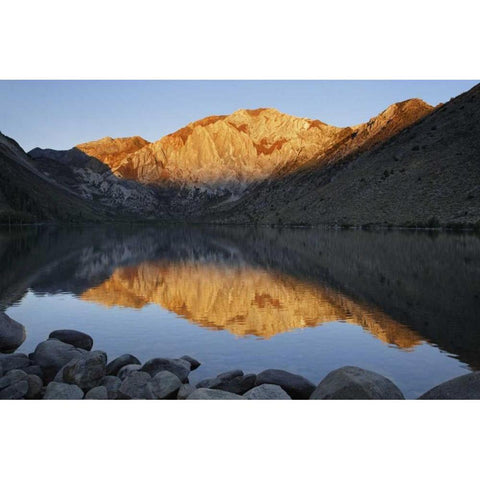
61,114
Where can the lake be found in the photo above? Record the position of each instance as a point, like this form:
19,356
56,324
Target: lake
404,304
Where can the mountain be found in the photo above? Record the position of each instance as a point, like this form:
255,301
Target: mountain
232,151
427,174
210,162
412,164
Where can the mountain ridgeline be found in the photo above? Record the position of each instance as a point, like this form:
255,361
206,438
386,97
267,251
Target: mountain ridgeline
411,165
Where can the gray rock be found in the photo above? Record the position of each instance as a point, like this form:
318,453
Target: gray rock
353,383
165,385
62,391
115,365
179,367
12,334
86,372
210,394
59,375
267,392
97,393
226,376
296,386
14,361
73,337
209,383
35,385
127,370
15,391
194,364
137,385
13,376
112,384
238,385
33,370
465,387
185,390
233,381
53,354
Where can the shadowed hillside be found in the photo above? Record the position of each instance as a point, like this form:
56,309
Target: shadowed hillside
26,195
426,175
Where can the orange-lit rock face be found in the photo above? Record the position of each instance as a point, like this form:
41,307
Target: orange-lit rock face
242,300
112,151
246,146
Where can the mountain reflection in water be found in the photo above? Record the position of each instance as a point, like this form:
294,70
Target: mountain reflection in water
409,290
242,300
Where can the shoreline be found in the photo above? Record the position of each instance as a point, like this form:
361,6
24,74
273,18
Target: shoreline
64,367
451,228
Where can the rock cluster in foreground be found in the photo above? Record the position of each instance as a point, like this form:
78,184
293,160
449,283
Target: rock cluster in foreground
64,367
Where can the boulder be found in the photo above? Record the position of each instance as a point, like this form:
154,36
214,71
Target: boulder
12,334
33,370
62,391
179,367
165,385
226,376
137,385
59,375
465,387
185,390
238,385
35,385
86,372
233,381
267,392
112,384
208,383
211,394
73,337
194,364
353,383
13,361
296,386
125,371
97,393
115,365
11,377
13,385
53,354
14,391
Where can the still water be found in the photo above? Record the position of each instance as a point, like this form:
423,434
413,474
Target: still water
404,304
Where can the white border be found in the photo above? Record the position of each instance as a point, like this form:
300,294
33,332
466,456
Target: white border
251,39
210,39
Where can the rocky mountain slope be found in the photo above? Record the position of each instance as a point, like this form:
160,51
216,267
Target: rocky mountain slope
112,151
427,174
27,195
92,179
212,161
232,151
